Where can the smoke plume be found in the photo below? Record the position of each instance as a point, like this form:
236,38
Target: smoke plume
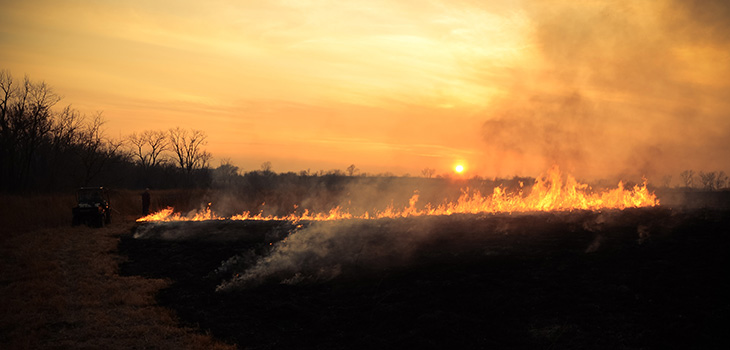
617,89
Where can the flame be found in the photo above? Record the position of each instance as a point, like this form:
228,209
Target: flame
549,193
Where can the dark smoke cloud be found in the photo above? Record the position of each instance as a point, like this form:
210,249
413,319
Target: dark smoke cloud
618,89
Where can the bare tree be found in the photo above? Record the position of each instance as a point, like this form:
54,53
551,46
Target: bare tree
139,152
95,149
187,147
352,169
26,119
428,172
65,128
64,137
708,180
266,167
721,181
147,147
6,139
666,180
688,178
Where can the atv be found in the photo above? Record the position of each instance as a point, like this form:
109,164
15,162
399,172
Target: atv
93,207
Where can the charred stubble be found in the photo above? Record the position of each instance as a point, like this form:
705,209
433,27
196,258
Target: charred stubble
648,278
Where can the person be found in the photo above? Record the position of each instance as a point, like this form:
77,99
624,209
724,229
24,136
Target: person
146,202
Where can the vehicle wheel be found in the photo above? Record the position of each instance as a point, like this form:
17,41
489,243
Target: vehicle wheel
108,218
100,221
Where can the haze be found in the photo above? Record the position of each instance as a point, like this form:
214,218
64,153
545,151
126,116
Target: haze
602,88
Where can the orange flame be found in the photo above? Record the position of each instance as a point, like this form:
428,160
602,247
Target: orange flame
549,193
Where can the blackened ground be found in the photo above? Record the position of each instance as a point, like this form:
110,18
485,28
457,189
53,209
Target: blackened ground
655,278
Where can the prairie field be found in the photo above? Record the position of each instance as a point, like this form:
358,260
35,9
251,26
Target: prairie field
635,278
60,286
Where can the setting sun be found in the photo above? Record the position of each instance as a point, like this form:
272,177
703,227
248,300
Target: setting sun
459,169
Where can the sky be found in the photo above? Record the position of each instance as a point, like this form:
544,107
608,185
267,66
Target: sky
603,89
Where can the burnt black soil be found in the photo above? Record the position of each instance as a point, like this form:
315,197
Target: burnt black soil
647,278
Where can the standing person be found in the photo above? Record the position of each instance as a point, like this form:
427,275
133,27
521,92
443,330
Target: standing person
146,202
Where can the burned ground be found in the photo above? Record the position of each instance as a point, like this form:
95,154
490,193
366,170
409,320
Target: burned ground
640,278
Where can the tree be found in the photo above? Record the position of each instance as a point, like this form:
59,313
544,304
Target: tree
26,119
351,170
6,130
688,178
95,149
225,174
147,147
428,172
666,180
721,181
708,180
266,167
187,147
65,136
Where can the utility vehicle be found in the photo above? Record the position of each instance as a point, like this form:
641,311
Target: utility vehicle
93,208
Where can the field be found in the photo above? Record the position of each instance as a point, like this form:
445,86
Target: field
635,278
60,287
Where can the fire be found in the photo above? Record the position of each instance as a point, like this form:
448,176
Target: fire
549,193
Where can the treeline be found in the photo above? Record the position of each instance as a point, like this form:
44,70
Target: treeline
712,180
47,148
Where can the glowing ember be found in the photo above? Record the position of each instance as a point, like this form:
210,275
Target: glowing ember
549,193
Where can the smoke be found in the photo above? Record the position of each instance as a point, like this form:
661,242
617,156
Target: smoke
323,251
617,89
326,250
285,194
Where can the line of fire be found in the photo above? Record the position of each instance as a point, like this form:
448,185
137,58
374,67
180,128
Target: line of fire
551,192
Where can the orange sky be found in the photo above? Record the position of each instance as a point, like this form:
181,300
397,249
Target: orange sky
602,88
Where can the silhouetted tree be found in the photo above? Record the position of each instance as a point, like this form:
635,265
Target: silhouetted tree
96,150
147,147
64,141
26,119
266,168
226,174
352,169
187,147
428,172
666,180
688,178
721,181
708,180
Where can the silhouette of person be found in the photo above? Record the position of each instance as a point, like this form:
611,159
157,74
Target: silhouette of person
146,202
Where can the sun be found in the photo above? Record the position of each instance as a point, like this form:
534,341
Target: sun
459,169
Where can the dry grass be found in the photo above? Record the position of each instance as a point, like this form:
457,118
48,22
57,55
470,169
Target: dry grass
28,212
59,288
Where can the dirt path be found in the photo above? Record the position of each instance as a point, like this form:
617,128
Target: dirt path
59,288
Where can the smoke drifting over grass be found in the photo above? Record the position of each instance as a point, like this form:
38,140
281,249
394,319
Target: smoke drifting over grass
356,248
325,250
617,89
